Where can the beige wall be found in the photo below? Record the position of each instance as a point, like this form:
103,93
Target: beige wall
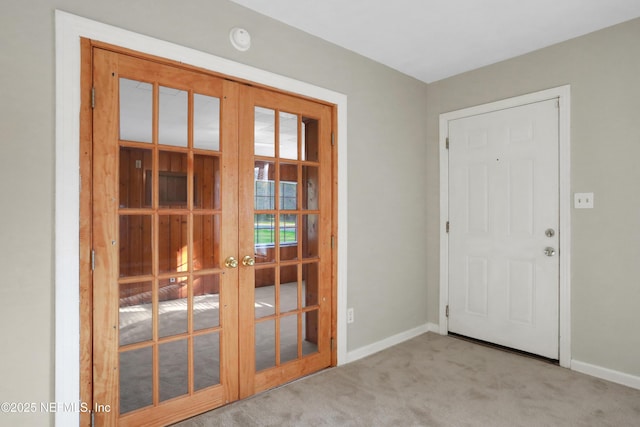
603,69
393,174
386,152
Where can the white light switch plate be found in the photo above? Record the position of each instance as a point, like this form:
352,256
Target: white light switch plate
583,200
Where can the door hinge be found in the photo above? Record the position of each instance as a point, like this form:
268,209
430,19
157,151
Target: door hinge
333,242
446,311
93,260
331,343
447,227
93,419
93,97
446,144
333,138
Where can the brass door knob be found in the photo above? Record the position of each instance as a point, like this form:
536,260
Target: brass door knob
231,262
248,261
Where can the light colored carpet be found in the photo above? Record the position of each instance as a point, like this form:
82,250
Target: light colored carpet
434,380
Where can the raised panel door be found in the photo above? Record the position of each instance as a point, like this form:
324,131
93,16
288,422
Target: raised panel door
503,287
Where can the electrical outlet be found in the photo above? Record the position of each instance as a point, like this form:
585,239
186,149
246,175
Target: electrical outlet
583,200
350,315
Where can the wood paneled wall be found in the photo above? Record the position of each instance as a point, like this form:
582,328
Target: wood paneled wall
136,189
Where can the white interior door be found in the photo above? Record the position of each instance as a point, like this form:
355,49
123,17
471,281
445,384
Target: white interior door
504,219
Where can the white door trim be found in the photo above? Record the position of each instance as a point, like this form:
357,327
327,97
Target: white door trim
69,29
563,94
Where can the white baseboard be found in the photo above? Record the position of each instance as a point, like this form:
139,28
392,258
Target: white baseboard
606,374
433,327
370,349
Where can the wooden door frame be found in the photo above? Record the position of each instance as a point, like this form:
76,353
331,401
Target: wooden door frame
70,227
563,94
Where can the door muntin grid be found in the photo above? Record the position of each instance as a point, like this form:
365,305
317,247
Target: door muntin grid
286,222
169,219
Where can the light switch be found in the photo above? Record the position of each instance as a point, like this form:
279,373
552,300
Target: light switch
583,200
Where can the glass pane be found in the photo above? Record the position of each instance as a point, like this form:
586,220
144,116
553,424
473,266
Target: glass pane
264,187
172,306
206,122
174,372
265,292
288,237
264,254
206,360
264,132
310,284
288,338
136,379
206,302
265,345
288,252
288,136
172,243
309,236
288,229
206,176
264,229
136,110
310,332
135,313
206,241
288,288
310,139
135,175
135,245
173,117
172,180
288,187
303,138
310,188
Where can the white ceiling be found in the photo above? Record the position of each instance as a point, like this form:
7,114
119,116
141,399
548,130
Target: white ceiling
434,39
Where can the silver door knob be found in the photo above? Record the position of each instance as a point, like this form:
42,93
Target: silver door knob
548,251
550,232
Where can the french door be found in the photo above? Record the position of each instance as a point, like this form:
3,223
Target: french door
211,229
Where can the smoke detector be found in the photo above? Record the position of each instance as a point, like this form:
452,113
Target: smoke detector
240,39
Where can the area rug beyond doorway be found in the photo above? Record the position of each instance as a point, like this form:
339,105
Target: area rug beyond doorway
434,380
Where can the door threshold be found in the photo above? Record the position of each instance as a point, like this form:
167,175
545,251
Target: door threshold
505,349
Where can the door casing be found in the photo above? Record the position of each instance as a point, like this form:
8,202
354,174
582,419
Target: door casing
68,226
562,93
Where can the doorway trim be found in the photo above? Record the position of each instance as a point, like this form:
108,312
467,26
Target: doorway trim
69,30
563,94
